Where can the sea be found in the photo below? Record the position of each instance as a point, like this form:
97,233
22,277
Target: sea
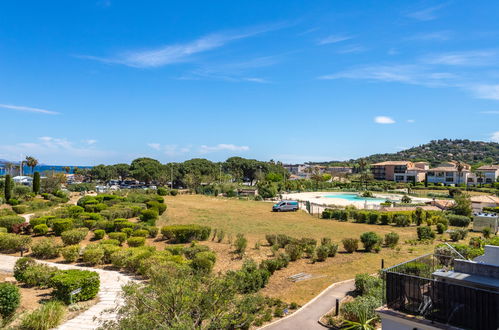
40,168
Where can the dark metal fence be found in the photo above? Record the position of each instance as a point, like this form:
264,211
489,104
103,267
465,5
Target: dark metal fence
443,302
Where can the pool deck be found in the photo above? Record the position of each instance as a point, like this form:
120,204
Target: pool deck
320,198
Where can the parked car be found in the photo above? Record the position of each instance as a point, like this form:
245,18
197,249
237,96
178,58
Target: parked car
284,206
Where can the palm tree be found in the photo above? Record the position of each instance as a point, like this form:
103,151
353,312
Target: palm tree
67,169
480,176
31,162
8,167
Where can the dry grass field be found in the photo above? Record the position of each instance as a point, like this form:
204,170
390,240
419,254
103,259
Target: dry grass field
255,219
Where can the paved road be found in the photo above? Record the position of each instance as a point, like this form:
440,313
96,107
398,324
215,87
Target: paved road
307,317
109,298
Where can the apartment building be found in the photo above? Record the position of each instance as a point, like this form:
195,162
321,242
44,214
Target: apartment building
449,173
487,174
400,171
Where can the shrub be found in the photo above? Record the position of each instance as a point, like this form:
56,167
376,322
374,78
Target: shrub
162,191
10,299
458,220
39,275
186,233
38,221
13,242
384,218
69,280
192,251
20,209
140,233
220,236
365,283
370,240
45,248
109,249
13,201
110,242
361,308
3,230
295,251
47,316
487,232
60,225
250,278
127,231
322,252
350,244
41,229
425,233
441,228
20,266
154,205
271,239
71,253
401,220
74,236
99,234
93,255
458,234
149,216
372,218
121,237
240,244
136,241
391,239
11,220
153,231
90,224
174,192
332,249
202,264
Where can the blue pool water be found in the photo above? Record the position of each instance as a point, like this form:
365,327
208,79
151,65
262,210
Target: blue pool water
355,198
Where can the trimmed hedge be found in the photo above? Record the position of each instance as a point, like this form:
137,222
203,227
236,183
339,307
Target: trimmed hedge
121,237
41,229
60,225
458,220
370,240
69,280
99,234
186,233
71,253
425,233
45,249
350,244
13,242
11,220
136,241
74,236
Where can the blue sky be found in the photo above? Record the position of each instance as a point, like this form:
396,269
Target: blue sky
88,82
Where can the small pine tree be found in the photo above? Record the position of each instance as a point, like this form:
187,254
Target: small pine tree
8,187
36,183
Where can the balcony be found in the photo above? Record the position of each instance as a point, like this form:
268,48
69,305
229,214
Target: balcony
414,288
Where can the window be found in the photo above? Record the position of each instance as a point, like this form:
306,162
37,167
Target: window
399,178
431,173
488,180
449,179
447,174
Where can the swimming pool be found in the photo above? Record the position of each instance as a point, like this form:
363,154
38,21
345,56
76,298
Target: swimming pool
356,198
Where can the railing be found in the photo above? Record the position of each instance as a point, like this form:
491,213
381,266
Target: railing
410,290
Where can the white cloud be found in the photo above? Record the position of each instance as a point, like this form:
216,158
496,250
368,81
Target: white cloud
155,146
484,91
90,141
181,52
467,58
426,14
28,109
332,39
383,120
410,121
56,150
495,137
169,149
222,147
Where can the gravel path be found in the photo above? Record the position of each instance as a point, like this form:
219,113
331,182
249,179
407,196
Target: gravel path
109,295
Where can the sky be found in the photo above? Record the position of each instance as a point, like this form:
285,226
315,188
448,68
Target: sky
108,81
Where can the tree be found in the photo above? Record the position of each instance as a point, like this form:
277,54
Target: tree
123,170
145,169
8,187
52,182
460,168
32,162
67,169
36,182
462,205
177,298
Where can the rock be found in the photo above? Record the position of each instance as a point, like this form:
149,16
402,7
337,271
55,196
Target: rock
11,280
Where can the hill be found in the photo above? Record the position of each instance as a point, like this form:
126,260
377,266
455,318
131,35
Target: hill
435,152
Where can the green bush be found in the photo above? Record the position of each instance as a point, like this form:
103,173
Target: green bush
458,234
69,280
90,224
11,220
47,316
109,249
350,244
93,255
240,244
321,252
45,248
149,216
366,284
372,218
370,240
401,220
20,209
458,220
154,205
38,275
441,228
362,307
332,249
110,242
250,278
99,234
186,233
3,230
41,229
174,192
128,231
13,201
191,251
202,264
153,231
71,253
295,251
10,298
13,242
391,239
140,233
162,191
60,225
121,237
136,241
20,266
425,233
37,221
74,236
